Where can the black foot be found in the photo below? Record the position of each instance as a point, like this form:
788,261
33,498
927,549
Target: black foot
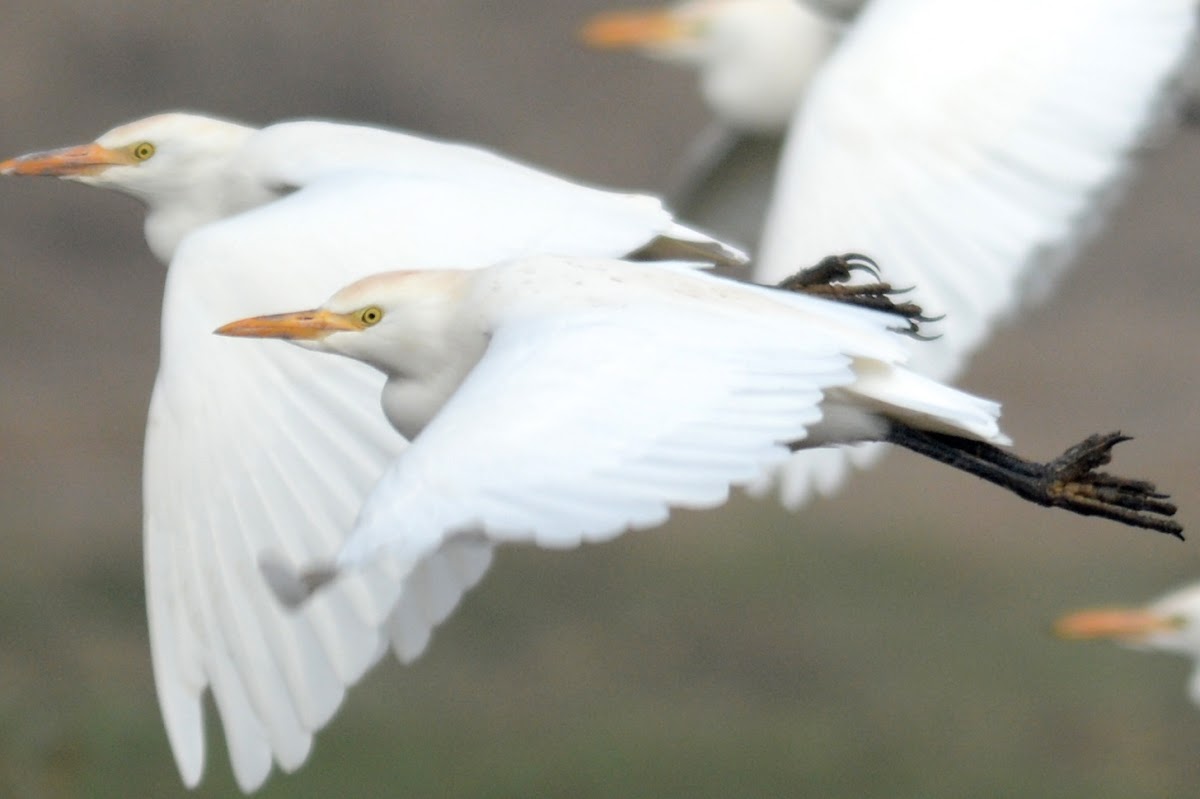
828,280
1070,481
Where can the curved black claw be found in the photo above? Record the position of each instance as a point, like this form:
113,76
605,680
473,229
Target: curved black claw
828,278
857,262
830,270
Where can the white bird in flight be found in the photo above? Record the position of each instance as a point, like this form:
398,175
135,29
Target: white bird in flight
560,400
969,145
1171,623
755,58
238,437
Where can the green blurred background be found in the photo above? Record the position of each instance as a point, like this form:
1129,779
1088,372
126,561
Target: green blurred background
891,641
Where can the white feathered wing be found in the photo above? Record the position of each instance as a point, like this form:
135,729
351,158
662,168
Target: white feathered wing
968,146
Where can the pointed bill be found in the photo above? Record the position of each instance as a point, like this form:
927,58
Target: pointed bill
83,159
1113,623
297,326
626,29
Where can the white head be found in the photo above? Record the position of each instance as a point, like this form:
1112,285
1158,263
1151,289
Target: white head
397,322
153,159
756,57
1171,623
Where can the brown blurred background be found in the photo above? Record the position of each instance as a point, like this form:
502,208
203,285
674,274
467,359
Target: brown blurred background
892,641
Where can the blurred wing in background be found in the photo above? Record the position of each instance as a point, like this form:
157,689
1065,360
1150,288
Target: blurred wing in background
970,147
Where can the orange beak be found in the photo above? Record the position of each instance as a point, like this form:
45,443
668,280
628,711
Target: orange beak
1113,623
83,159
626,29
299,326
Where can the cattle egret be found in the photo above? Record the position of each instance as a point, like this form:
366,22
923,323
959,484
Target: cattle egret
238,437
561,400
755,57
970,144
1171,623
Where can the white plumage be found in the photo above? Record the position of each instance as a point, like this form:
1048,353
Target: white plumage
568,400
970,145
755,58
252,220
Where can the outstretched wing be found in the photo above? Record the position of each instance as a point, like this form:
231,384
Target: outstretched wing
969,146
578,428
539,210
268,447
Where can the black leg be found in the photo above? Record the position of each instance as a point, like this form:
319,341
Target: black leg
1070,481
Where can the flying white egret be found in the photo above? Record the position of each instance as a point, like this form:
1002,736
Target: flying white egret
968,144
238,438
755,58
560,400
1171,623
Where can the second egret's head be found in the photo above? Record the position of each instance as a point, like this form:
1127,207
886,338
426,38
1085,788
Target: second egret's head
151,158
383,320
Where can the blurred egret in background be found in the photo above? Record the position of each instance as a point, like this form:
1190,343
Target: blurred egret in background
1170,624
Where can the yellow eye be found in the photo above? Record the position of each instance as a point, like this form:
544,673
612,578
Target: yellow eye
370,316
143,151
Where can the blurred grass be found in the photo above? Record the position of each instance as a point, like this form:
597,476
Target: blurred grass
742,652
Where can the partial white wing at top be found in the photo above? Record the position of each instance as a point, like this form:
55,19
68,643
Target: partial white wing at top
968,146
270,448
582,220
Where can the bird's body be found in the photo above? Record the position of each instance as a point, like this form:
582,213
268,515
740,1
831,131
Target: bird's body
257,219
568,399
970,145
448,328
561,400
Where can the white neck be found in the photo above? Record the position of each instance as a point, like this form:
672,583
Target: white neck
169,222
758,89
426,345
